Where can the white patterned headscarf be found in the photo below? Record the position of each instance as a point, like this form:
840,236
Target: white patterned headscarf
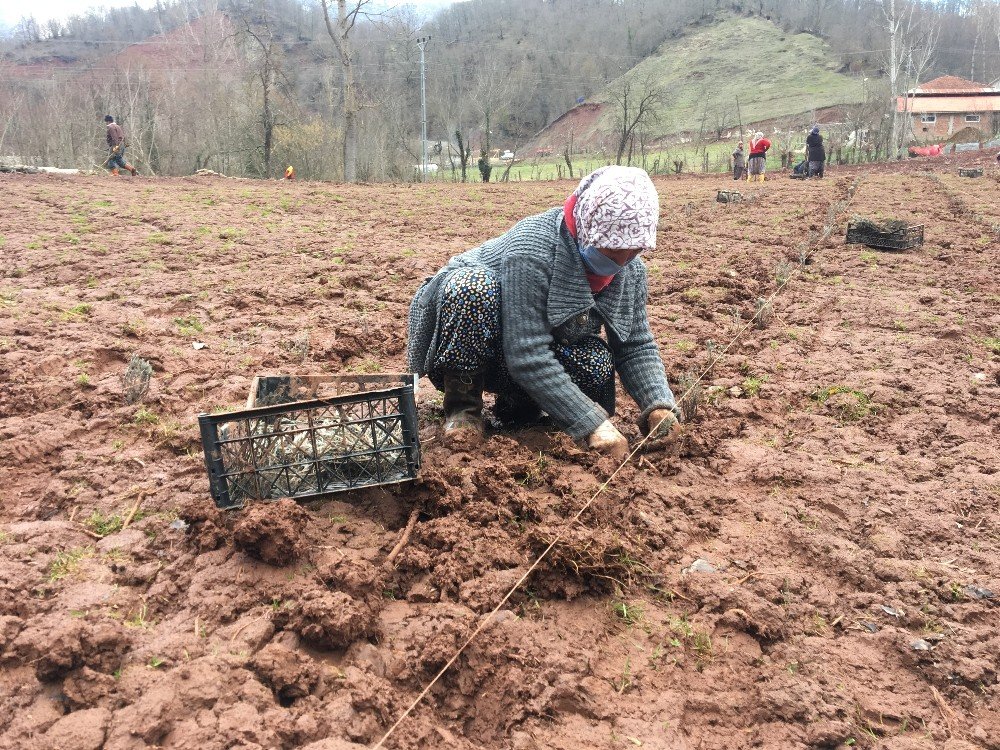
617,208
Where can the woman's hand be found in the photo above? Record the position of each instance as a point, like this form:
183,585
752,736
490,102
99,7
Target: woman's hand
607,440
660,423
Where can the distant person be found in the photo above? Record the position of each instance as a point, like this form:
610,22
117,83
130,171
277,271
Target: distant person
815,153
739,162
290,173
116,142
758,153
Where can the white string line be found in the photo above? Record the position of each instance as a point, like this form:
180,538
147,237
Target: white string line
559,536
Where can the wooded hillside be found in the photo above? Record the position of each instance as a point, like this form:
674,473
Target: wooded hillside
246,87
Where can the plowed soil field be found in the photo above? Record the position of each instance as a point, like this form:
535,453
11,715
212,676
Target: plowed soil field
814,563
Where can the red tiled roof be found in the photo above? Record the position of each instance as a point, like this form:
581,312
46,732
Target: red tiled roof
949,104
951,84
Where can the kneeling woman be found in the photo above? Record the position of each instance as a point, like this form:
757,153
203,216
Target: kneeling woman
522,316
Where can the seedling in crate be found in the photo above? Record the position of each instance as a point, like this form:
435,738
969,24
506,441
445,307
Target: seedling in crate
306,448
885,235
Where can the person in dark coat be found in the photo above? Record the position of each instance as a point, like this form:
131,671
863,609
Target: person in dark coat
522,316
739,163
815,153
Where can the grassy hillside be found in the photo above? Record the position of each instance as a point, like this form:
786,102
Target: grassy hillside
774,74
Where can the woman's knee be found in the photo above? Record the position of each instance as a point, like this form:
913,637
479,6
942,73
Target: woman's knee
472,284
590,360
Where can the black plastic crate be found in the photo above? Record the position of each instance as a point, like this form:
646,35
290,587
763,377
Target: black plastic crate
902,238
728,196
970,173
305,449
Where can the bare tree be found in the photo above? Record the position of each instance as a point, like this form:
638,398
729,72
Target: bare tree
255,27
494,92
568,154
27,30
911,44
340,32
464,152
637,103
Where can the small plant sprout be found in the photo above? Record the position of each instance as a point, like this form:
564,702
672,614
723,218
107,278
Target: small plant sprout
135,382
701,642
140,619
628,613
751,385
782,272
690,389
763,313
624,682
710,349
155,662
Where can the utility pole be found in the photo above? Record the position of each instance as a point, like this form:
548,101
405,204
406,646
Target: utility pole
423,112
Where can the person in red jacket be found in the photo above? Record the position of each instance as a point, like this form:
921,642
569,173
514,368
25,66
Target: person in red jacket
758,151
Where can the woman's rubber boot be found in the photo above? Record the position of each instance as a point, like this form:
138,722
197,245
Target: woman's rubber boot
463,407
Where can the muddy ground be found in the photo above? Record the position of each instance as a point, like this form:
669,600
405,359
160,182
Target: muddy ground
813,564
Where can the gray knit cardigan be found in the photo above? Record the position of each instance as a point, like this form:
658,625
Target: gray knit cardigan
545,298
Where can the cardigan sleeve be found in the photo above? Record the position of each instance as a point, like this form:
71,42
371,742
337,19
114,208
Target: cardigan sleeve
637,360
527,341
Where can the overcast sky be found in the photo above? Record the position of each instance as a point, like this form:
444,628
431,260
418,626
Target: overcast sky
11,11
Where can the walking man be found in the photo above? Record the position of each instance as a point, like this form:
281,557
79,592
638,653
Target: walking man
116,142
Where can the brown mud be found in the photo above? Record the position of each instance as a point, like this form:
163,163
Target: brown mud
812,564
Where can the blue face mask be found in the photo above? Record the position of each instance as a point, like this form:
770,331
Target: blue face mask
597,262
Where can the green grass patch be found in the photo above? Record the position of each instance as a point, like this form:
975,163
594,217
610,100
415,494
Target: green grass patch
751,385
104,524
856,407
627,612
81,310
68,562
188,326
145,417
